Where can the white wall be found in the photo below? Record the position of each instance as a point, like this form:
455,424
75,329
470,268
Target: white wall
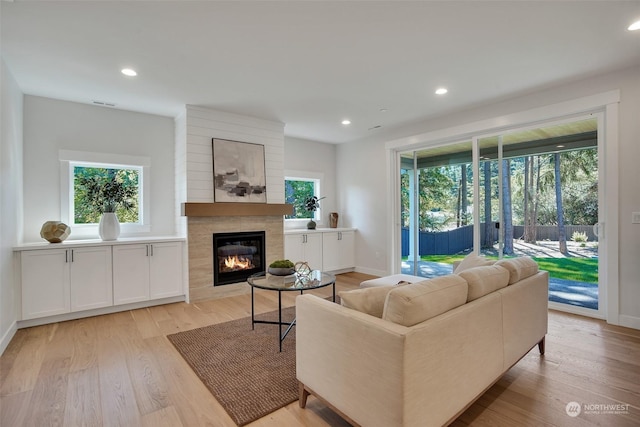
10,198
362,176
203,124
51,125
320,158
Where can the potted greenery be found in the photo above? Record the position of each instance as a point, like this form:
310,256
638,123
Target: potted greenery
281,267
311,205
107,191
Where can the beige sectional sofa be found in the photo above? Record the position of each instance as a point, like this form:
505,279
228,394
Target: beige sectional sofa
419,354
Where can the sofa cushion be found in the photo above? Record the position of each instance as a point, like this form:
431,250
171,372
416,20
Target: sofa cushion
519,268
411,304
470,261
366,300
484,280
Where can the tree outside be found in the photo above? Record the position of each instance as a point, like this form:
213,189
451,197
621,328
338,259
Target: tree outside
543,189
98,190
296,193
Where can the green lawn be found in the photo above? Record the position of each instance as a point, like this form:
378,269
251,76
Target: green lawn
578,269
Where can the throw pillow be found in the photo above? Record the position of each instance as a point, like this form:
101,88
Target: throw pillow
470,261
411,304
484,280
366,300
519,268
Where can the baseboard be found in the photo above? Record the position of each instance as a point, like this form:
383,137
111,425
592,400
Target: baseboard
6,338
371,271
629,321
97,312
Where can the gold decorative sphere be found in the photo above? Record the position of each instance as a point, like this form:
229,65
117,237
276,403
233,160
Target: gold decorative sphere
55,231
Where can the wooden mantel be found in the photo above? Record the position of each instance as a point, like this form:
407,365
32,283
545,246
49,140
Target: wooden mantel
236,209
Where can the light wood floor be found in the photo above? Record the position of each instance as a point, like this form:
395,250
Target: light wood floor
120,370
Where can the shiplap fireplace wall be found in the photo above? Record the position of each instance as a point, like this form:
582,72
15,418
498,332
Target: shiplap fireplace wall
195,128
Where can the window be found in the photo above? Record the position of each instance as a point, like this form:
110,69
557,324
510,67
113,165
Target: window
80,172
297,189
87,207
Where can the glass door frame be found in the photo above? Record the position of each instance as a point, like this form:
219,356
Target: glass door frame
605,108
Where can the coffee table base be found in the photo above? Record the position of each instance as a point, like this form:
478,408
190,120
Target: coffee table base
281,336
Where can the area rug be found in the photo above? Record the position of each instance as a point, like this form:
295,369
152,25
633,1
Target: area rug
241,367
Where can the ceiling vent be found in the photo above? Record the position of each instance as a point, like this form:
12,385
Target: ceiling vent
103,103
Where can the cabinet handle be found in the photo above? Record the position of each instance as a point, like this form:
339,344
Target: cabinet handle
151,249
147,246
339,235
71,255
66,256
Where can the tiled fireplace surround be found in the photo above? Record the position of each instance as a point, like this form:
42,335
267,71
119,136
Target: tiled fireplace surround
200,231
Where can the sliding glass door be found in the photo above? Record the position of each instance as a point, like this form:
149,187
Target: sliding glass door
529,191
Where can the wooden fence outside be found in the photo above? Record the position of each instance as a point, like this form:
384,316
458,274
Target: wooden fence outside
460,239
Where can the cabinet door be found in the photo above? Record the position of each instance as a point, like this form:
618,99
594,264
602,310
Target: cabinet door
45,283
347,249
130,273
165,270
293,247
90,278
313,250
338,250
331,251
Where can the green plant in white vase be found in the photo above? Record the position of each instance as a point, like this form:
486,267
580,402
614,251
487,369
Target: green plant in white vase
105,192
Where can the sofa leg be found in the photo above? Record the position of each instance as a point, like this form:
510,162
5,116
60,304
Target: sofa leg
541,345
303,393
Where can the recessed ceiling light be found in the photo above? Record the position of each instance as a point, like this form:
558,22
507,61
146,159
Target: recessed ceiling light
383,110
559,146
346,122
634,27
129,72
441,91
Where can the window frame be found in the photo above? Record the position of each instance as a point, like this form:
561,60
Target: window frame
317,179
70,159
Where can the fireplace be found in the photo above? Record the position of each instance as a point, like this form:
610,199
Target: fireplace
236,256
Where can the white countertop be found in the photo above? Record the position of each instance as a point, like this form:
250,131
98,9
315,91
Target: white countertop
96,242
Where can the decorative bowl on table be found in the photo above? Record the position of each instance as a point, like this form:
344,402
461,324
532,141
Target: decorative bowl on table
281,271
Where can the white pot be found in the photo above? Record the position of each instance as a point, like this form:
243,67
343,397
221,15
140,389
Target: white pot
109,228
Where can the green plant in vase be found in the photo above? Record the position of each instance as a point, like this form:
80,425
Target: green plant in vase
311,205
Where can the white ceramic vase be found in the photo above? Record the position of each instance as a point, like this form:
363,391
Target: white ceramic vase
109,228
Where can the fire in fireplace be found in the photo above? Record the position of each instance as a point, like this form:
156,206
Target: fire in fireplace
236,256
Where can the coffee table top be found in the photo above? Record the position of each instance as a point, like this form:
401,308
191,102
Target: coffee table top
293,282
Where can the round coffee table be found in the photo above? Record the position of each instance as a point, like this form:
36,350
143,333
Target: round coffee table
294,282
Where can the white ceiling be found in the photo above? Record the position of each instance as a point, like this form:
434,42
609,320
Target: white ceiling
312,64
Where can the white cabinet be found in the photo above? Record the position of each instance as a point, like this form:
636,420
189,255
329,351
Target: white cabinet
143,272
304,247
338,250
323,249
95,277
165,270
58,281
130,273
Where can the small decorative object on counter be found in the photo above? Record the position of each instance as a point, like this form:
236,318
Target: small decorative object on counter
333,220
281,267
55,231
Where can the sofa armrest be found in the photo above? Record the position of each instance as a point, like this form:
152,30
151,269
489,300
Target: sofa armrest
525,312
352,360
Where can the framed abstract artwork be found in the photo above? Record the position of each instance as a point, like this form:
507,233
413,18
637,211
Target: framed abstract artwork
238,172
